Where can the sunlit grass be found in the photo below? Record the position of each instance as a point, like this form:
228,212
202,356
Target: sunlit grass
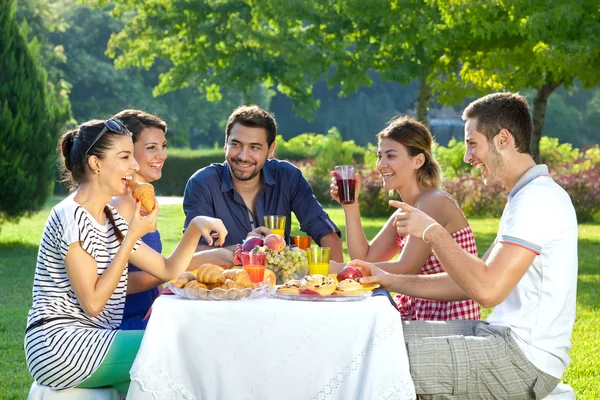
18,250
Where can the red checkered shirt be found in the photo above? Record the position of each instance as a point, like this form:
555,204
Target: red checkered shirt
412,308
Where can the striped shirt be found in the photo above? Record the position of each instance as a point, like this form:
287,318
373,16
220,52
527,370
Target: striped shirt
63,345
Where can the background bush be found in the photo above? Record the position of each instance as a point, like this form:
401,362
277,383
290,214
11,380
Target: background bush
181,165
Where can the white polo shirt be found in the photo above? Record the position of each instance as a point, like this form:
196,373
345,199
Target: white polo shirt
540,310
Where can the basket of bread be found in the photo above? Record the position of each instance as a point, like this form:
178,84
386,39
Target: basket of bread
213,282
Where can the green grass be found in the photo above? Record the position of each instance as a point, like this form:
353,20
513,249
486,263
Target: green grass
18,251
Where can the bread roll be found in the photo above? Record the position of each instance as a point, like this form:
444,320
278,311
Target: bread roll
144,192
239,276
183,279
210,273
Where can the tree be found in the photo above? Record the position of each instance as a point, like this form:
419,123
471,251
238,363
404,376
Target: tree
284,45
28,121
519,44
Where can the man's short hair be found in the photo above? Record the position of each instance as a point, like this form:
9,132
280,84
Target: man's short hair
253,117
498,111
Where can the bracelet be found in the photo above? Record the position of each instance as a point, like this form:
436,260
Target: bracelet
425,230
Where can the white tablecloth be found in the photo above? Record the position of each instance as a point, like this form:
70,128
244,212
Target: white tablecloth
272,349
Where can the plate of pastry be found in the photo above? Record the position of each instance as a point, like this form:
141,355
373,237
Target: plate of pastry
212,282
321,288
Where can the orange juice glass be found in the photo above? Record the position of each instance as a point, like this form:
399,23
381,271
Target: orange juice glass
254,264
275,223
318,260
302,242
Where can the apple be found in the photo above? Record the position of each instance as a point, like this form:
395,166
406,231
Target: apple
349,273
308,291
274,242
251,243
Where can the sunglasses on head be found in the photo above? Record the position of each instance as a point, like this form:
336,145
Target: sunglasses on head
113,125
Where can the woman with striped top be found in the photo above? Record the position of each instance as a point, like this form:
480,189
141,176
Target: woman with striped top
72,336
406,165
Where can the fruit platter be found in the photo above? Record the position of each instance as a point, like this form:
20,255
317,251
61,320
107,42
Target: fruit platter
212,282
286,262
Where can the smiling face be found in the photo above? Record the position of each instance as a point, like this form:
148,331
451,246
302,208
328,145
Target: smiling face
247,151
150,151
483,155
395,165
117,167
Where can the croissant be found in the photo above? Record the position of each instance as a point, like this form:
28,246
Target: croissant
144,192
195,284
210,273
239,276
196,289
184,279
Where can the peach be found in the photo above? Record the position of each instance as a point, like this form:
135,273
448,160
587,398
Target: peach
274,242
251,243
269,278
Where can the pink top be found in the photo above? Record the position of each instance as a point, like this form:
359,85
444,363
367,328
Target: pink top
412,308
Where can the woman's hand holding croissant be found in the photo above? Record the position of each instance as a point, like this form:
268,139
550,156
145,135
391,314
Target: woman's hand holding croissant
142,224
210,228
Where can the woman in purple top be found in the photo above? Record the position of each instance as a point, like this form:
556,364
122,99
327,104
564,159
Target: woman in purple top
150,151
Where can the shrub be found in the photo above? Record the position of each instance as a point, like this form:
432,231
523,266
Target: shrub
298,148
474,197
30,120
451,159
373,198
181,165
583,187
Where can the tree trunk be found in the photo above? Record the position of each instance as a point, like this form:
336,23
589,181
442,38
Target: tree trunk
422,103
539,113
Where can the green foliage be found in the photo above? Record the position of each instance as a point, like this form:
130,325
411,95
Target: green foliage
299,147
373,198
181,165
451,159
554,154
29,122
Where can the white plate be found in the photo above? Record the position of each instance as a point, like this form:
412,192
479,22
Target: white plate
316,297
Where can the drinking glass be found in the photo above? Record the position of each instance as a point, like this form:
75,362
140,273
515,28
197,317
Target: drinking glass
346,183
254,264
318,260
302,242
275,223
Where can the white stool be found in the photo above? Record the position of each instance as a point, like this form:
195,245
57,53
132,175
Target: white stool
39,392
562,392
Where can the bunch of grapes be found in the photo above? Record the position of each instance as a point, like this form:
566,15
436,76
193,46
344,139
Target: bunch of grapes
289,263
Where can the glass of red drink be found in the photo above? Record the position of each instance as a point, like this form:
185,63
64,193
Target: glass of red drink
346,183
254,263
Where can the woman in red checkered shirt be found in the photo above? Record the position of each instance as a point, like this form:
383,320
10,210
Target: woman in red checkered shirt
406,165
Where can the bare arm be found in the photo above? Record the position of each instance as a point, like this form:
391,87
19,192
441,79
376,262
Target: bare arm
488,282
204,247
93,291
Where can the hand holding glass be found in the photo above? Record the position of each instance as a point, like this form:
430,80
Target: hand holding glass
346,182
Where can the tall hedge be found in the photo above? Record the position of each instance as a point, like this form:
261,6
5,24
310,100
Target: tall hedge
27,123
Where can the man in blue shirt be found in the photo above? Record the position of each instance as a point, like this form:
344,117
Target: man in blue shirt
250,185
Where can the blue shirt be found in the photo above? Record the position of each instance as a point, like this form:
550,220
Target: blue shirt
210,192
138,304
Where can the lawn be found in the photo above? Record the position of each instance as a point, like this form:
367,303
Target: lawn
18,250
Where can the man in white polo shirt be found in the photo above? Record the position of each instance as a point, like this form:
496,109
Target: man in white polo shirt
529,274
